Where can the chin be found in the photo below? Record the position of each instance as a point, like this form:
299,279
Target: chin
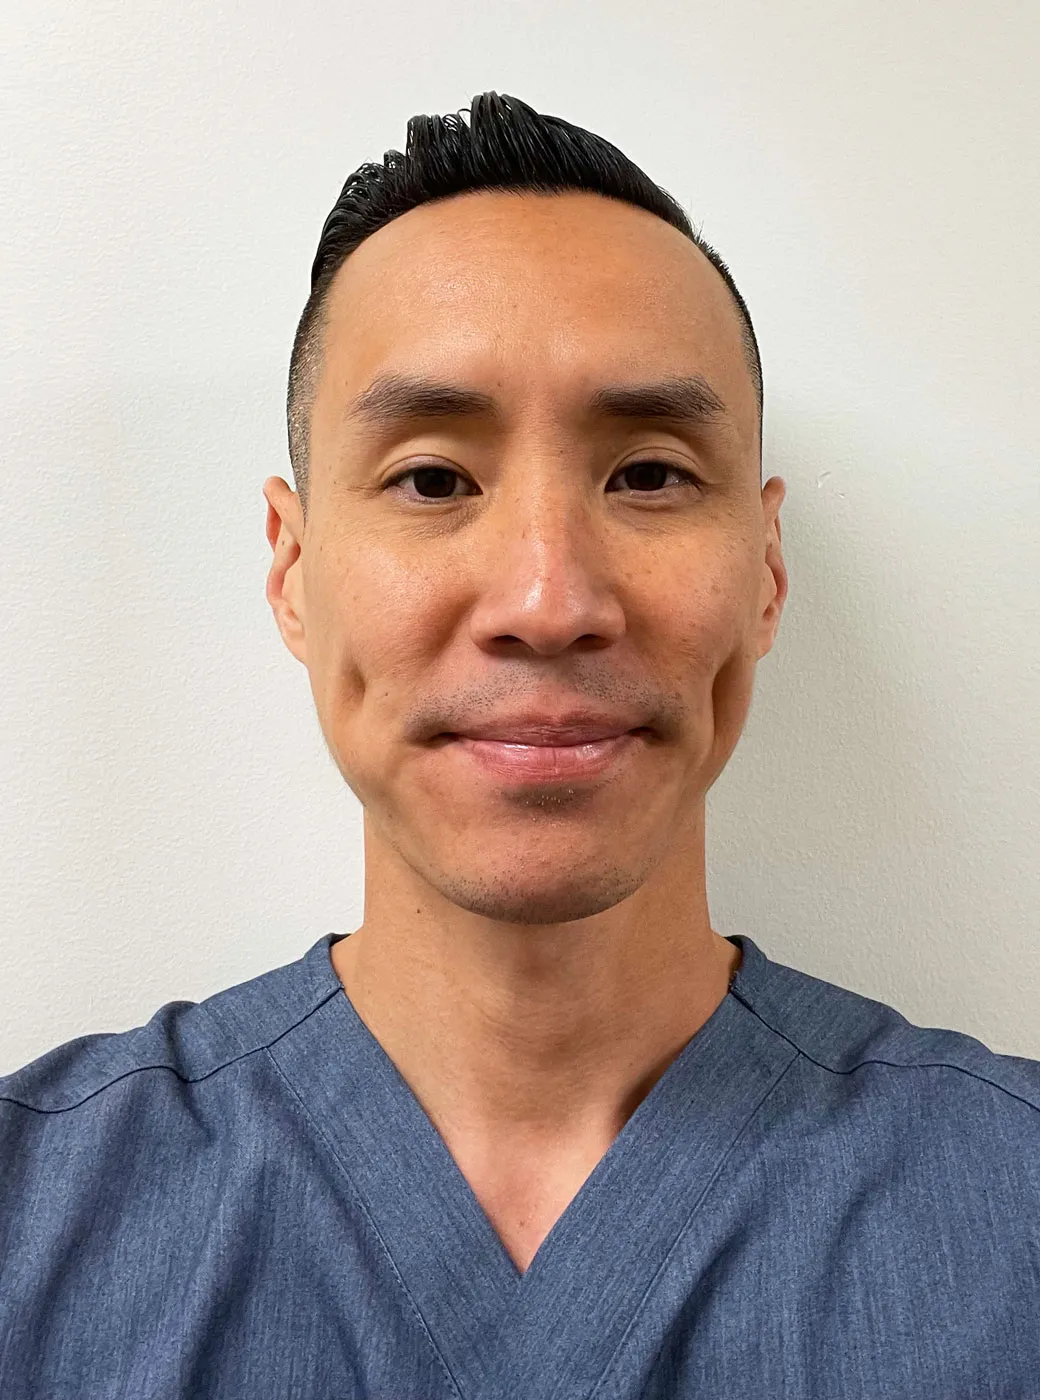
517,899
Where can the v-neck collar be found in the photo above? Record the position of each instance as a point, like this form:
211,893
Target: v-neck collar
499,1332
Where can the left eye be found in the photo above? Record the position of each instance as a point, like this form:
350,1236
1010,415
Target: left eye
649,476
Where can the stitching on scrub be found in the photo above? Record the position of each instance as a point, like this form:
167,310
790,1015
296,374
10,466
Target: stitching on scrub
891,1064
689,1220
368,1216
184,1078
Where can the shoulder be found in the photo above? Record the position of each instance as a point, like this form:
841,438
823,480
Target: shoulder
887,1145
869,1049
184,1043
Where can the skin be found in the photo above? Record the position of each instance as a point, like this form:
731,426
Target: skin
531,961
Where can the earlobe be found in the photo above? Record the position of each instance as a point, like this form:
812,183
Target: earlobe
776,566
284,589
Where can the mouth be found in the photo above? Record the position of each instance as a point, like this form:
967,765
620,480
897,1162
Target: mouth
559,762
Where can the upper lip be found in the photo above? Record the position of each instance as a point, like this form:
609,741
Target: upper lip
575,727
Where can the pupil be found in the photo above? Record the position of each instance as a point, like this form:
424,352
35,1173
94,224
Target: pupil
441,476
657,470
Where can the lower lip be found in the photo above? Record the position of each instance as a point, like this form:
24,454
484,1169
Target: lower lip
538,763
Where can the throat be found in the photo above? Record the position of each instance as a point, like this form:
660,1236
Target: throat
523,1196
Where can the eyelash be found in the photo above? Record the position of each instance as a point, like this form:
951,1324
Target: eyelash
689,479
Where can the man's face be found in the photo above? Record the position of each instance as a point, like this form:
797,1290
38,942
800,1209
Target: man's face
547,556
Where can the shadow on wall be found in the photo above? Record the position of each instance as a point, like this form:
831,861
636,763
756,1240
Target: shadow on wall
172,821
863,828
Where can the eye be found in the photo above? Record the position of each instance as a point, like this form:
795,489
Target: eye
438,483
431,483
646,478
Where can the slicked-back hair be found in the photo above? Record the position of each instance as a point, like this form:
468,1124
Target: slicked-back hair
506,145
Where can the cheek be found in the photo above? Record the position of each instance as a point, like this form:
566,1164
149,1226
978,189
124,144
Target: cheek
707,618
377,630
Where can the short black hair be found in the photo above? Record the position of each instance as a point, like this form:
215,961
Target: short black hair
506,145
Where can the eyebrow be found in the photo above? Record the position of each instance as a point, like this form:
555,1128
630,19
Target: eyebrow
394,399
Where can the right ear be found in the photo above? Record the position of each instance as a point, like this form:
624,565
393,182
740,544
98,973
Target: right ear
285,577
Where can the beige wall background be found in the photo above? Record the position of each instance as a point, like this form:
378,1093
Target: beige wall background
171,822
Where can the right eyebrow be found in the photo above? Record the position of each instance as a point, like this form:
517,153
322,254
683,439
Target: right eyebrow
392,399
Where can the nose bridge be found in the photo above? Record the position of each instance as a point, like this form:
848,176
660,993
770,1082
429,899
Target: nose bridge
546,579
546,520
547,527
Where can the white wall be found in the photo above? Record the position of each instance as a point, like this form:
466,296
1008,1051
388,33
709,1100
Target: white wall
171,821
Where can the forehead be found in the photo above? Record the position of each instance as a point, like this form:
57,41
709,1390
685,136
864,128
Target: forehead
535,294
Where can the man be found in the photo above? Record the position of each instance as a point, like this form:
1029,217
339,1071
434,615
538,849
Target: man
535,1129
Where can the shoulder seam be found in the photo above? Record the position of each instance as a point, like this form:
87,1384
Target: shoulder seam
184,1078
891,1064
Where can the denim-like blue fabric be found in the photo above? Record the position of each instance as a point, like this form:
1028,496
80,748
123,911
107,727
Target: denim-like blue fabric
243,1200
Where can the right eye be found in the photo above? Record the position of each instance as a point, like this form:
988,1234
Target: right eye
431,483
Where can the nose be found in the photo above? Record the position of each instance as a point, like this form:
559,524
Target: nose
546,575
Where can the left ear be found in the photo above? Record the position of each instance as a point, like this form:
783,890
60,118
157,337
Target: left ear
773,592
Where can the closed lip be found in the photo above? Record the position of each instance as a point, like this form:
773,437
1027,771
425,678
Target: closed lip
547,731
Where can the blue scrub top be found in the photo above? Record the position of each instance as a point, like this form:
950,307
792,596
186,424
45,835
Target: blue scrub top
244,1200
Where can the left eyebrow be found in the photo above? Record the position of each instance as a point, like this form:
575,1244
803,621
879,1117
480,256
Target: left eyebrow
687,399
393,399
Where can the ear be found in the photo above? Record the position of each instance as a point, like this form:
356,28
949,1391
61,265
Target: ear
285,577
773,593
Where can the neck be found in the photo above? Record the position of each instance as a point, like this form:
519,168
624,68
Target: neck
534,1034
